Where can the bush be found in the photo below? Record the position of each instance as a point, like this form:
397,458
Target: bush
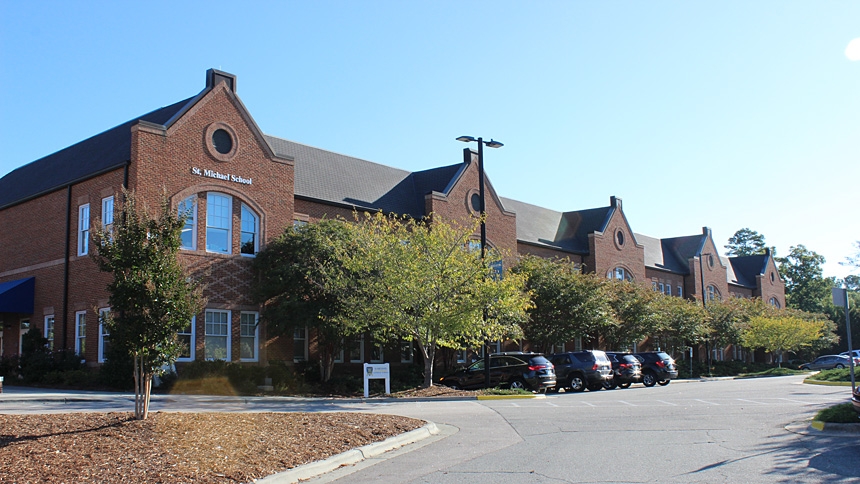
719,368
9,367
840,374
842,413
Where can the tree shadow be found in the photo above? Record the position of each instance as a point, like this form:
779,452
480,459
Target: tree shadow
7,440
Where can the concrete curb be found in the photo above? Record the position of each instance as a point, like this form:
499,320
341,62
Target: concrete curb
827,383
508,397
835,427
350,457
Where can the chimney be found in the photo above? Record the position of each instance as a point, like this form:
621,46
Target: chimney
214,76
706,231
615,202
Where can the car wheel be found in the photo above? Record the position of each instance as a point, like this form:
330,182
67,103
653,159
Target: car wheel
610,385
663,383
624,385
649,379
453,386
577,383
518,385
840,366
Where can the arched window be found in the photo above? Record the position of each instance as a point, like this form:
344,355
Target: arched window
619,273
188,208
219,215
249,243
774,302
713,293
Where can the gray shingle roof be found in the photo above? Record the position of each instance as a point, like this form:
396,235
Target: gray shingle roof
335,178
746,268
660,255
103,152
567,231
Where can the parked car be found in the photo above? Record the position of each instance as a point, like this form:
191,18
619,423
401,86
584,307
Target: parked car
578,370
530,371
855,354
827,362
855,400
657,368
626,370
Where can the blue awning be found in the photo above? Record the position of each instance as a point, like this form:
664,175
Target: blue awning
17,296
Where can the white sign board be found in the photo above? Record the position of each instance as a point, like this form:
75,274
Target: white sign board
376,372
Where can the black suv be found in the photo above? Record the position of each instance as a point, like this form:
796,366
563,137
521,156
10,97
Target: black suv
578,370
626,370
657,367
513,370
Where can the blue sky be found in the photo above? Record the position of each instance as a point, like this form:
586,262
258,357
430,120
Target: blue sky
721,114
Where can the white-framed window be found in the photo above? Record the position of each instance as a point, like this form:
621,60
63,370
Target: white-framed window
462,355
577,344
49,330
298,224
84,229
249,341
249,242
25,326
680,291
653,284
338,357
217,335
356,350
619,273
377,354
107,214
660,287
407,351
219,218
668,289
188,237
104,334
300,344
185,336
713,293
81,333
774,302
557,348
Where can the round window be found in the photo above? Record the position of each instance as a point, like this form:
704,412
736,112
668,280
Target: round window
619,236
222,141
475,200
711,260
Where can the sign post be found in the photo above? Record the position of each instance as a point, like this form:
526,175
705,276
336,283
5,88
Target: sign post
840,298
376,372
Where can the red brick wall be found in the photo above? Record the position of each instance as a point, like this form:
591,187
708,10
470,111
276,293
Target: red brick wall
607,252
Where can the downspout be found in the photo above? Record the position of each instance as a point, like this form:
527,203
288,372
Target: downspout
66,266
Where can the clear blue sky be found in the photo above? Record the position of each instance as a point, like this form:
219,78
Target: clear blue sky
720,114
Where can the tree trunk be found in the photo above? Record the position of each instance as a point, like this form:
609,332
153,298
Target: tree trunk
429,356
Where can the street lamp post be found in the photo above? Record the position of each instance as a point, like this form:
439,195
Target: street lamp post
705,306
483,210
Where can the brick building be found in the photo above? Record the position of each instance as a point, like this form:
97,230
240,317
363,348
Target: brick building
243,188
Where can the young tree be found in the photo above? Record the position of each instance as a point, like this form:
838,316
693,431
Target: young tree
781,333
745,242
680,322
634,313
422,283
567,303
302,282
805,286
151,295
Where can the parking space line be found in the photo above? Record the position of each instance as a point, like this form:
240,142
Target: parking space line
627,403
709,403
796,401
750,401
589,404
551,404
668,403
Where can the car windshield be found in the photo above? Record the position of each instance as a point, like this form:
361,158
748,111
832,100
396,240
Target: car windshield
478,365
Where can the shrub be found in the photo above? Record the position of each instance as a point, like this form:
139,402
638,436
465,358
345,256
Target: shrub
842,413
839,374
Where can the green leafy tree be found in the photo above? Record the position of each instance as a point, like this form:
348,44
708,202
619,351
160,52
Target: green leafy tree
680,322
301,281
567,303
728,318
853,260
634,313
805,286
780,334
151,295
423,284
745,242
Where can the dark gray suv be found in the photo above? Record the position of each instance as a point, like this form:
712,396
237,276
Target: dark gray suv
512,370
578,370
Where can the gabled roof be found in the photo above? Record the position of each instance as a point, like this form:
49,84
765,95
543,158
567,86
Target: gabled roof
663,254
745,269
567,231
101,153
334,178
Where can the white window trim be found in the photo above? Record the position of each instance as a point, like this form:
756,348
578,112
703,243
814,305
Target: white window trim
52,332
680,291
462,355
338,357
256,230
304,355
193,212
411,348
102,333
381,358
78,336
361,350
256,335
193,343
84,229
229,227
228,335
107,212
